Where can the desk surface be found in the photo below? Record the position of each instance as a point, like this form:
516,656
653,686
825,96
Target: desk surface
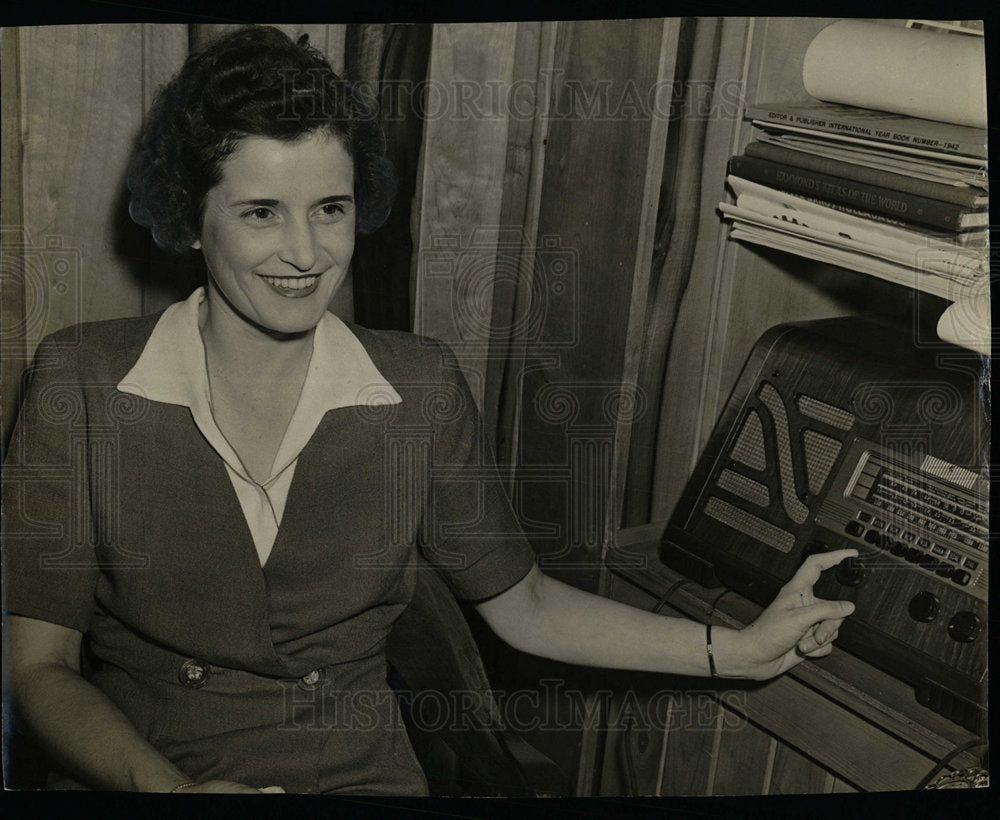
858,721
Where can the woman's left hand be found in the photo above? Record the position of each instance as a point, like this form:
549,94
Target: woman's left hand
797,624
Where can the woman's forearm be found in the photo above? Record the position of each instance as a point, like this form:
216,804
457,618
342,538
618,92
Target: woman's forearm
546,617
87,734
561,622
72,720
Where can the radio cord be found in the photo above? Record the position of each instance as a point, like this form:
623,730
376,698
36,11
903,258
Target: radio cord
666,596
972,744
715,603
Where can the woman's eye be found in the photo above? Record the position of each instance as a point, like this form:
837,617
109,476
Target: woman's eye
258,214
334,211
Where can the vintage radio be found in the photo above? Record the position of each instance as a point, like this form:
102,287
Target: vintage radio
840,433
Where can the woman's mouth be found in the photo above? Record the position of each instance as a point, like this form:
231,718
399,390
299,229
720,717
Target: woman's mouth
293,287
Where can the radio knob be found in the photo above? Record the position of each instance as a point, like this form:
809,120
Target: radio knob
851,572
965,626
813,548
924,607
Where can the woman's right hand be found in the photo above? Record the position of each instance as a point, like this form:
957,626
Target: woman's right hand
81,729
226,787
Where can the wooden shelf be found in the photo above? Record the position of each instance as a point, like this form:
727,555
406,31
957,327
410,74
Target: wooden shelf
775,49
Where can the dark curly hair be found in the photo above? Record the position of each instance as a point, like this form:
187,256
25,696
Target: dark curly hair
253,81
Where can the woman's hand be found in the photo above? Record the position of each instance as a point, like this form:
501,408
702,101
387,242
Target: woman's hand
795,626
226,787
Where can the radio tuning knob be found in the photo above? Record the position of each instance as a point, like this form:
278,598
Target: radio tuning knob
812,548
924,607
851,572
964,626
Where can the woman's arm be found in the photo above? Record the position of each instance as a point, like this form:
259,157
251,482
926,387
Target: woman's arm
546,617
76,724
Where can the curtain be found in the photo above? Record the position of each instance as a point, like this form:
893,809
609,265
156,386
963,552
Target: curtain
390,60
676,234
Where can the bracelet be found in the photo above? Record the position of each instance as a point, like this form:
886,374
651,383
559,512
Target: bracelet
708,650
180,786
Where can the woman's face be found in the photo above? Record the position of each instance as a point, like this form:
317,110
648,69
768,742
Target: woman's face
278,231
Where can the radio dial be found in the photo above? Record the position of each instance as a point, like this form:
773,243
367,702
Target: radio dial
924,607
965,626
812,548
851,572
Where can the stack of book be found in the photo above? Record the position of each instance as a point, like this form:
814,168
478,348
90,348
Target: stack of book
897,197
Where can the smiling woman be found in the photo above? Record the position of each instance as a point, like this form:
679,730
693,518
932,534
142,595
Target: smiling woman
236,544
278,226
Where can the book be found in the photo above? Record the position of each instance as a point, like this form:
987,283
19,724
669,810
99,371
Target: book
945,216
790,208
933,169
900,274
948,267
958,194
862,124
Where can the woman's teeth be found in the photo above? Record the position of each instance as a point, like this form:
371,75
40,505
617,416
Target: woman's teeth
291,282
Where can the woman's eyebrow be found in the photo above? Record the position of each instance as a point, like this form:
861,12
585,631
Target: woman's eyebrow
265,202
272,203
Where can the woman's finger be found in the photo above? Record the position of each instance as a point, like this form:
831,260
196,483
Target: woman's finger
814,566
826,631
821,611
820,652
810,642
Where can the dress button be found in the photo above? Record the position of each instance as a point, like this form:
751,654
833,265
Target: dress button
194,674
310,679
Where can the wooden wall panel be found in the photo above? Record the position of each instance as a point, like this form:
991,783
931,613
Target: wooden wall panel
82,104
794,773
744,757
688,760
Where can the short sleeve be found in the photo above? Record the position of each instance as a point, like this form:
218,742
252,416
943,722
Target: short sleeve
49,563
470,531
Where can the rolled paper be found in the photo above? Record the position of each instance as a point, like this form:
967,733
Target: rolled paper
918,73
967,323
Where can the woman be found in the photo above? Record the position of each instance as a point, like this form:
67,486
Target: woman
252,479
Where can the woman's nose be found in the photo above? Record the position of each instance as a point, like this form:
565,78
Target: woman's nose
299,245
